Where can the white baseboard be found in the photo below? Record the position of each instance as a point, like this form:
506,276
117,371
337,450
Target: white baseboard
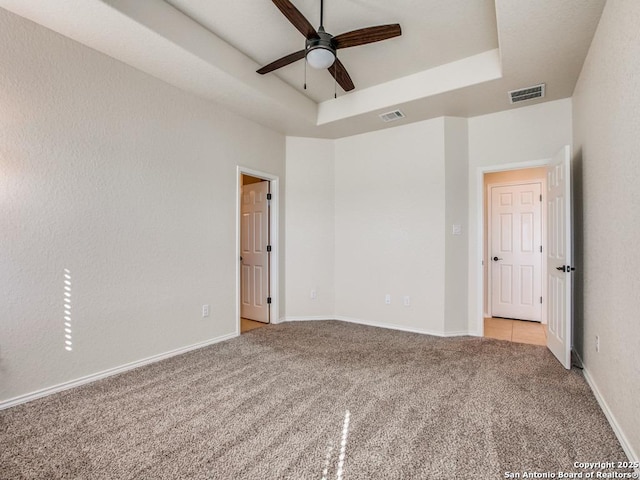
390,326
308,318
402,328
622,438
12,402
459,333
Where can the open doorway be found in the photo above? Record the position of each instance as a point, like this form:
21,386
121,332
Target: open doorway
257,276
513,258
255,250
557,259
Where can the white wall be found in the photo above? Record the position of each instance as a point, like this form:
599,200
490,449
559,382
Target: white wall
606,108
128,183
310,228
456,213
371,215
389,226
504,139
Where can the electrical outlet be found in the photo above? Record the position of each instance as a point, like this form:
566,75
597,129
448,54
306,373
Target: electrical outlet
387,299
314,294
205,311
407,300
597,343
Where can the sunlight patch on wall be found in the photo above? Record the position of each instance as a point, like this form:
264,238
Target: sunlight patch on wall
68,340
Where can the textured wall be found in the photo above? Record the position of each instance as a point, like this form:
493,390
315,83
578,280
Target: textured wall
606,107
366,217
128,183
310,227
456,163
390,213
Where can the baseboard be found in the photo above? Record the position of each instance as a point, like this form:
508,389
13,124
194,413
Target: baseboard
307,318
389,326
459,333
402,328
624,443
12,402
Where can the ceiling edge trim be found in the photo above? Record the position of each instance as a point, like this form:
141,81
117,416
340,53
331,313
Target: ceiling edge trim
480,68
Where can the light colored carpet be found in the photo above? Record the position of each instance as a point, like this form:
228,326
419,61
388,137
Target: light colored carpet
273,403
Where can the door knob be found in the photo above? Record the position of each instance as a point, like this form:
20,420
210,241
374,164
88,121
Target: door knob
495,259
566,268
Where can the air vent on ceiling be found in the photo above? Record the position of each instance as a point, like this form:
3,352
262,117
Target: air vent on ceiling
537,91
392,116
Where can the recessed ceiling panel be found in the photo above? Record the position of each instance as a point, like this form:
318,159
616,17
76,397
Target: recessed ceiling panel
434,32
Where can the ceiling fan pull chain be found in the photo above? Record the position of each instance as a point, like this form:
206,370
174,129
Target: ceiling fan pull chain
305,74
335,77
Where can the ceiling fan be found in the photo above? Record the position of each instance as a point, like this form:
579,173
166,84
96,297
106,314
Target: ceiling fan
320,47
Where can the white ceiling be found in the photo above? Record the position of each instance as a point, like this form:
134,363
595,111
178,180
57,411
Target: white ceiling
455,57
445,31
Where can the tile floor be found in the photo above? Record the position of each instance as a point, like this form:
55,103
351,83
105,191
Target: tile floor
518,331
246,325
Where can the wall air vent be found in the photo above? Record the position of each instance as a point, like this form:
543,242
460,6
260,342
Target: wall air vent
529,93
392,116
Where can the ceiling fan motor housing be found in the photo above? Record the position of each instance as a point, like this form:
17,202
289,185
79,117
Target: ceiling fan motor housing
324,41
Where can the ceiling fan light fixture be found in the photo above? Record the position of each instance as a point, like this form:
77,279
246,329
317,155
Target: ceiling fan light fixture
320,57
321,47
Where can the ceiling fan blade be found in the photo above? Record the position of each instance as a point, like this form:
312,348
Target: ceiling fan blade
338,72
296,18
281,62
367,35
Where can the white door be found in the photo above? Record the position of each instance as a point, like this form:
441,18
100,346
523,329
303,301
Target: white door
254,231
559,257
515,255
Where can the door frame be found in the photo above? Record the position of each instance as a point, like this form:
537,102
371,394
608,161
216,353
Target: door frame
274,223
476,252
543,236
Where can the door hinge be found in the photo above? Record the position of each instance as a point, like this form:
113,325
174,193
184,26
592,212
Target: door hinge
540,197
268,300
268,248
540,248
268,196
540,299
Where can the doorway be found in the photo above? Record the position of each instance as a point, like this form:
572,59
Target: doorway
557,261
514,236
257,269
